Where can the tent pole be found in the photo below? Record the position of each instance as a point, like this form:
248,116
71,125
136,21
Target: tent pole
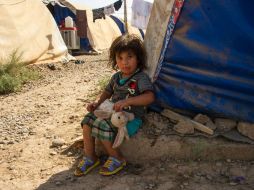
125,17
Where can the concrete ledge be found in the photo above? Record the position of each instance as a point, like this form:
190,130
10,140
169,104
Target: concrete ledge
141,148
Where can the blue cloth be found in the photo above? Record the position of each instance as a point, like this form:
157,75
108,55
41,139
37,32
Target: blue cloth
133,126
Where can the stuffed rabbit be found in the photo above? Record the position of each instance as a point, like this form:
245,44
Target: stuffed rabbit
118,119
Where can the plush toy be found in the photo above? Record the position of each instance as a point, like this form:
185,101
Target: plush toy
118,119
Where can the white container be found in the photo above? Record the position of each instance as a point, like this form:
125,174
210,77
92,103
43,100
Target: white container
68,21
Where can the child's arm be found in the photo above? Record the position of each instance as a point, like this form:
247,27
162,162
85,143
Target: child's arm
92,106
141,100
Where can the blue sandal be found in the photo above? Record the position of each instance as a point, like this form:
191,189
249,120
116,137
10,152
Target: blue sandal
85,166
112,166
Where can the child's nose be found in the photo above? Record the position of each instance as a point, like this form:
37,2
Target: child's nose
125,61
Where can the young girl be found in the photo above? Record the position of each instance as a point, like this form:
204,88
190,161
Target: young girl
128,88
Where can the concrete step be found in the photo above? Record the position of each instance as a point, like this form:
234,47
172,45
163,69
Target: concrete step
142,148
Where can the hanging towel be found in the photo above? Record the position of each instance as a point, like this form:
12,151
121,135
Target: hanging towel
81,23
109,10
140,13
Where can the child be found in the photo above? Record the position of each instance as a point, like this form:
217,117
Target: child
130,90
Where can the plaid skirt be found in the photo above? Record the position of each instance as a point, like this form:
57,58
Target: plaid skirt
101,128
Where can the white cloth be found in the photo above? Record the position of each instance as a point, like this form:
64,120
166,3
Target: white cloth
109,10
140,13
141,7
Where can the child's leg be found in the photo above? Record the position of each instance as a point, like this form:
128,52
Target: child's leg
90,160
111,151
115,162
89,143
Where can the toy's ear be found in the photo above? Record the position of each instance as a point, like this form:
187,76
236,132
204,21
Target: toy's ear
130,116
119,138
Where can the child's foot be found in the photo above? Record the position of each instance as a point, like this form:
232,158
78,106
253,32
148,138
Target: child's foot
112,166
85,166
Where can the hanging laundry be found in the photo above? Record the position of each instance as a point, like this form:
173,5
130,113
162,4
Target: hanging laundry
109,10
140,13
118,5
98,14
81,23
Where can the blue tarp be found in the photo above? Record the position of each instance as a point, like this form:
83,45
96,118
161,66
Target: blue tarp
208,66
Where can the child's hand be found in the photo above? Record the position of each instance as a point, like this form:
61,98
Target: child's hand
92,106
120,105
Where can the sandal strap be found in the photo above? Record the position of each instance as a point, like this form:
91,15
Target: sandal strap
112,163
85,163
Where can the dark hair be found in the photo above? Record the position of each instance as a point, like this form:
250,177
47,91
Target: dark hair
127,42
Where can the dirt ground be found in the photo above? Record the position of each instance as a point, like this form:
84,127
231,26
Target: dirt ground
40,121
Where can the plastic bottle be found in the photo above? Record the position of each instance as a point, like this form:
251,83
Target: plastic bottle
68,22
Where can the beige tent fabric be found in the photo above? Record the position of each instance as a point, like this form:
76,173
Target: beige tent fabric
156,31
29,27
102,32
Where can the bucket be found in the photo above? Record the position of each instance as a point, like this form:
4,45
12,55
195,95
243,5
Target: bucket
68,22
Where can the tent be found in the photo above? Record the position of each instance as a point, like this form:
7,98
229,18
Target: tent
201,56
100,33
27,26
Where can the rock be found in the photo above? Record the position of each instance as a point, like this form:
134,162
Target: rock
211,125
232,183
58,142
53,153
51,66
236,171
203,119
32,133
184,127
209,177
224,125
58,183
246,129
165,186
64,147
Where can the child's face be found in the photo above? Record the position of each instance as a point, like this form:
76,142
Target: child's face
127,62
